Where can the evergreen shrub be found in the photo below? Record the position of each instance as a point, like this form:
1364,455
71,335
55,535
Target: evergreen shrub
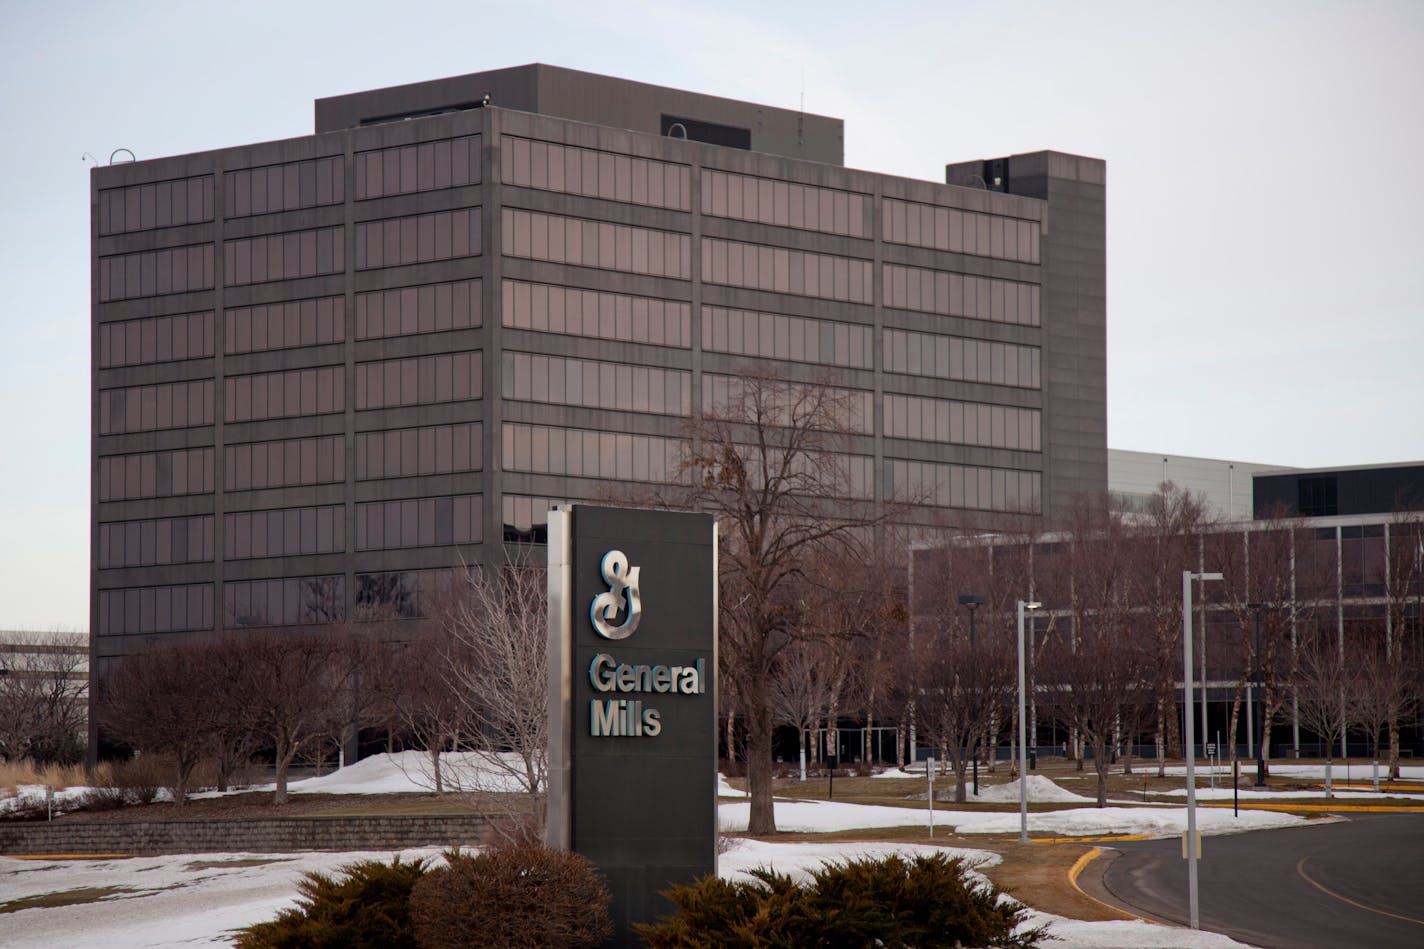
924,902
366,907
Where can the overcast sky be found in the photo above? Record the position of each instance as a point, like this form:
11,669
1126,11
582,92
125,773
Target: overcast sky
1265,251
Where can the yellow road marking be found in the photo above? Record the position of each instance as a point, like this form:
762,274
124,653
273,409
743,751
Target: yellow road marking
1077,869
1332,808
1105,838
1300,869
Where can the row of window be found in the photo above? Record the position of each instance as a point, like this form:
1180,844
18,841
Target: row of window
780,270
252,466
418,522
251,329
160,204
555,380
318,391
404,594
968,360
418,238
420,380
788,403
963,486
296,254
548,309
952,294
784,204
960,232
156,339
289,532
151,408
427,166
431,308
594,174
526,518
539,449
285,187
158,474
567,240
416,452
152,272
793,338
159,541
812,474
288,601
961,423
169,609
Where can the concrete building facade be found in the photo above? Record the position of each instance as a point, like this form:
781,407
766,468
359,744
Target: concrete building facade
328,368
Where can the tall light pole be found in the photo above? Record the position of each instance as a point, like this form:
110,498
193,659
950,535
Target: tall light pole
1023,727
1260,698
1187,578
971,601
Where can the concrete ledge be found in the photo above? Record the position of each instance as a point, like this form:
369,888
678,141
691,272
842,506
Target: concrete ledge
272,835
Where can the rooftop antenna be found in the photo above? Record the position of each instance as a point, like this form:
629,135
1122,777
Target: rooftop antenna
90,157
132,156
801,115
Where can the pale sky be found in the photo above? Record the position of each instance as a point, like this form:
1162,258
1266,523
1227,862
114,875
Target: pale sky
1265,253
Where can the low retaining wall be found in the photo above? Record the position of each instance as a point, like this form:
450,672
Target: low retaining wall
239,836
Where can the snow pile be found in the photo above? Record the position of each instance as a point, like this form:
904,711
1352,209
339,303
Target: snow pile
726,790
1041,790
828,816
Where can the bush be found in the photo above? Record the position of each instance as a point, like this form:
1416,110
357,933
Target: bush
929,901
516,897
367,908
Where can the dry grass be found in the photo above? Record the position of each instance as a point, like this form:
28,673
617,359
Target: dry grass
15,773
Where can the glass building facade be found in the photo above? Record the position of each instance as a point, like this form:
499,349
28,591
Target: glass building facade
328,368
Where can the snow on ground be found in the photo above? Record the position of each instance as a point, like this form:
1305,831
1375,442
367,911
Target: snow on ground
185,902
827,816
1040,790
1249,793
173,901
1358,771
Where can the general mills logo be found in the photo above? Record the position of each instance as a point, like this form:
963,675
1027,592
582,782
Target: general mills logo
622,597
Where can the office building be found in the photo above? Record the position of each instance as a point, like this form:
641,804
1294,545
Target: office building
328,368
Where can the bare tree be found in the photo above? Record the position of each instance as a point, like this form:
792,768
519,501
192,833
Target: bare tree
495,663
1404,594
800,690
161,704
1324,688
763,459
1383,689
1096,675
292,689
43,689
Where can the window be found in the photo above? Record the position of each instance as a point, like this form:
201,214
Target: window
253,466
286,601
412,452
148,543
421,380
317,391
288,532
943,420
418,238
955,230
156,339
793,338
418,522
156,272
430,308
285,187
158,474
784,204
550,166
540,449
574,312
285,325
781,270
530,377
961,359
424,166
288,256
953,294
160,204
583,243
930,484
853,405
170,609
153,408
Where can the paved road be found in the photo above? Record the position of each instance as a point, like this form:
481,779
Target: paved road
1359,882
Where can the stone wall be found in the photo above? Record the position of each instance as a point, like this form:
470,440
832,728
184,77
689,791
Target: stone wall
239,836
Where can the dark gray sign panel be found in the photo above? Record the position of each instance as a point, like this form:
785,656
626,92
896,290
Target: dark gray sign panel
633,702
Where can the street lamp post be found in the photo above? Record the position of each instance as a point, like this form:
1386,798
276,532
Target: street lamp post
1260,699
971,601
1187,578
1023,727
